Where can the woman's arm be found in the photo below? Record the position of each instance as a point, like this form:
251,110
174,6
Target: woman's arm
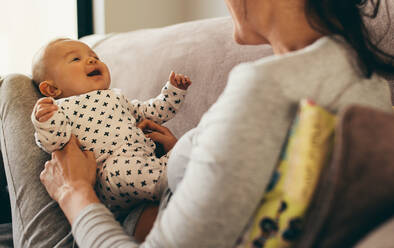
69,178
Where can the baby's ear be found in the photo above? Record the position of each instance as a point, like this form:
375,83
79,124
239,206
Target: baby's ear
48,88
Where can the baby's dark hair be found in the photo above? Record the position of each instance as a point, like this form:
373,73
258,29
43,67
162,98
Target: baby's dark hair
39,66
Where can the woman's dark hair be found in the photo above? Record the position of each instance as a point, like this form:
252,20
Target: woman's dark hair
345,17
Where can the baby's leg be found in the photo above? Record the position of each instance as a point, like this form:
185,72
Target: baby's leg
124,181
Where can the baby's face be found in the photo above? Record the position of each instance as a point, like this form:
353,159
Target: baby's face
76,69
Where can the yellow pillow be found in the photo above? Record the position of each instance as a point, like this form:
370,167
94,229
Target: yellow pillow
278,220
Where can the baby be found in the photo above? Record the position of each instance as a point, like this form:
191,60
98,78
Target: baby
80,102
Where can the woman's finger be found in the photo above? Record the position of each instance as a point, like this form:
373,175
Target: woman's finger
148,124
73,144
168,140
43,174
74,139
89,154
47,164
142,124
156,127
76,142
53,155
156,136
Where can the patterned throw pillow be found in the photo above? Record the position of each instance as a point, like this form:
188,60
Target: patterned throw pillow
278,219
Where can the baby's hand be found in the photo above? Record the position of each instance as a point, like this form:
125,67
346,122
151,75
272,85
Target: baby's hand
45,109
180,81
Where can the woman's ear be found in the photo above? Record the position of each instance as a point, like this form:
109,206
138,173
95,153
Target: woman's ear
48,88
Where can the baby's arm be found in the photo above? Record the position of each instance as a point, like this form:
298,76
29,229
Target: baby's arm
52,128
164,106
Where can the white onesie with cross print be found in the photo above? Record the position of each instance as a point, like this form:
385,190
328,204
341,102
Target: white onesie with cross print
104,122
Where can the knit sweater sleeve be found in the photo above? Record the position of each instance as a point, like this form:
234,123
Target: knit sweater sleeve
96,227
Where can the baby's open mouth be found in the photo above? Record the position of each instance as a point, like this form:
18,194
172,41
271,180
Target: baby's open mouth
94,73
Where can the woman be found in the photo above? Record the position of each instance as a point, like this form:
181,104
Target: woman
322,52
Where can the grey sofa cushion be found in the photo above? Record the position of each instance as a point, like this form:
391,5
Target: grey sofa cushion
29,200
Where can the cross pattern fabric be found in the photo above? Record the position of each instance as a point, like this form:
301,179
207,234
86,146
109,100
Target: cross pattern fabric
104,122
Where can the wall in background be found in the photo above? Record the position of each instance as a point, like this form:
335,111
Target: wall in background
25,26
126,15
201,9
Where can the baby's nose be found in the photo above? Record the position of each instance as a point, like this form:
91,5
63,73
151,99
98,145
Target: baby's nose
91,61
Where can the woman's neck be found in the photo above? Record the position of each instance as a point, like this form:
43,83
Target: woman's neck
291,32
282,45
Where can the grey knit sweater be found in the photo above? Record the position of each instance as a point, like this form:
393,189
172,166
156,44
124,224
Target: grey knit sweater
235,147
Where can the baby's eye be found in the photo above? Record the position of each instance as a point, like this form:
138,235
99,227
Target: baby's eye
75,59
97,58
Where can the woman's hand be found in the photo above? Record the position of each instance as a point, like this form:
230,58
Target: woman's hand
69,178
159,134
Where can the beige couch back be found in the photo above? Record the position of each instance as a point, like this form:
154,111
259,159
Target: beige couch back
140,62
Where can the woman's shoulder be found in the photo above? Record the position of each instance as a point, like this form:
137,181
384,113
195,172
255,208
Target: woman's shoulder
300,68
324,51
320,71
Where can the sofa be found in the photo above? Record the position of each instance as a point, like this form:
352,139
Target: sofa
140,63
